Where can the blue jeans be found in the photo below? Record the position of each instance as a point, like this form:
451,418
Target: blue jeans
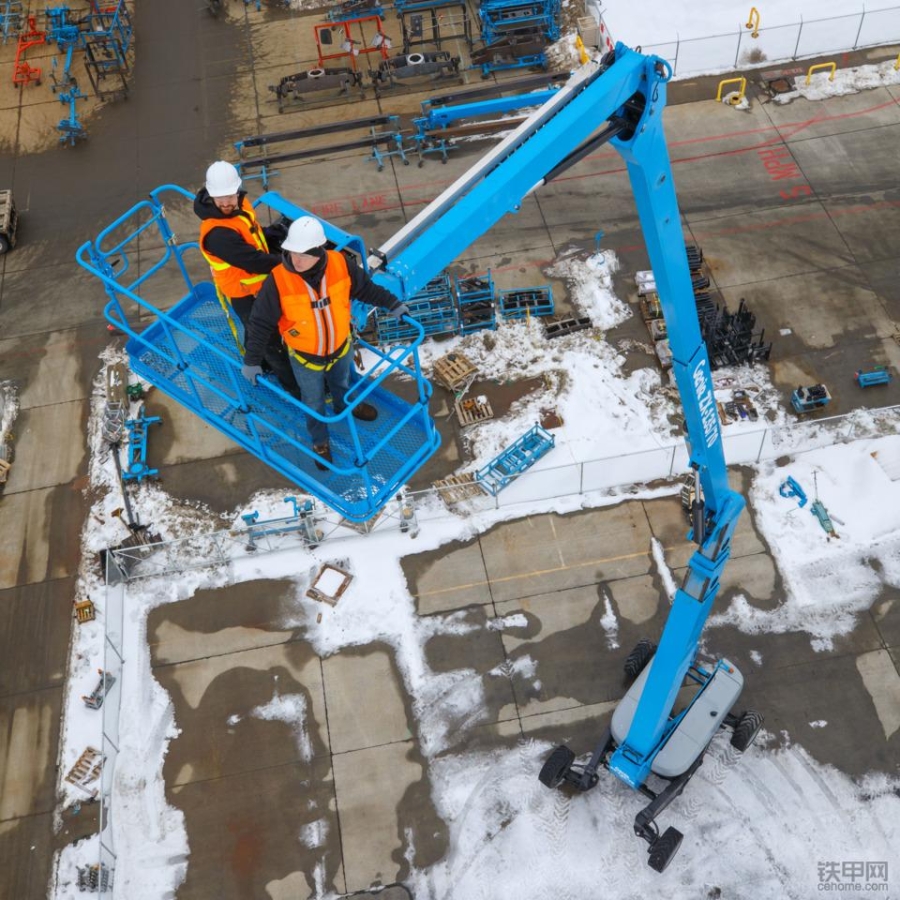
312,384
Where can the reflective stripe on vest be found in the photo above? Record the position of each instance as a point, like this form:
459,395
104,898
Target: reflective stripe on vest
315,323
230,280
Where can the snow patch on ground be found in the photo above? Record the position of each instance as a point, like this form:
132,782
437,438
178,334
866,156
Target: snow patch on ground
292,710
845,81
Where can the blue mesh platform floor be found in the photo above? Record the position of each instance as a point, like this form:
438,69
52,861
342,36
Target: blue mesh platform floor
275,427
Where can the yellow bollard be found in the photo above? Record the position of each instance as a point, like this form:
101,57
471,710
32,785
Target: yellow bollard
897,64
828,65
583,55
753,21
740,96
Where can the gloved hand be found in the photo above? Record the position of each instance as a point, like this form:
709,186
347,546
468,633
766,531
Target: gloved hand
251,373
275,235
400,310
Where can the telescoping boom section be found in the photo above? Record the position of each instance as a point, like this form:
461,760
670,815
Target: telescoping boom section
188,350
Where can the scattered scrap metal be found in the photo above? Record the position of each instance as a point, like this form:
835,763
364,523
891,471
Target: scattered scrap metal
731,338
473,410
94,700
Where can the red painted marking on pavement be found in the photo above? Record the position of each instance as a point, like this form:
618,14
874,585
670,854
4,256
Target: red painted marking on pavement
349,205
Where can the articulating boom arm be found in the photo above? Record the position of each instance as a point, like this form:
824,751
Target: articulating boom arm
619,100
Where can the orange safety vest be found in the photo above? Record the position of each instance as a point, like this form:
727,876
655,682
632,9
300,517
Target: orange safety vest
230,280
315,323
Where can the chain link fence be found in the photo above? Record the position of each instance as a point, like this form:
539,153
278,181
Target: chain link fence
780,43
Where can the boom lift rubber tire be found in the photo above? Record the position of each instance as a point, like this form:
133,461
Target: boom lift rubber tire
553,772
664,848
4,244
639,657
746,730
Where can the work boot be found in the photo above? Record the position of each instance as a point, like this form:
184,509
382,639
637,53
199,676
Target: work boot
365,412
323,450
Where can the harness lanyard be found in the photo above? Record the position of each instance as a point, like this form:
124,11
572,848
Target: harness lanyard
225,303
322,314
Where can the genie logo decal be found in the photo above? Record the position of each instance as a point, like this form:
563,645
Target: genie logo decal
706,403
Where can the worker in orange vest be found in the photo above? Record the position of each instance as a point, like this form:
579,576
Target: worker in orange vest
240,256
306,299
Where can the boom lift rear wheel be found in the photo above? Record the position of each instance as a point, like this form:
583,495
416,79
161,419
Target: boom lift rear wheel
746,730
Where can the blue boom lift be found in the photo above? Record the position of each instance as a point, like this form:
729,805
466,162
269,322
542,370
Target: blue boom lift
655,741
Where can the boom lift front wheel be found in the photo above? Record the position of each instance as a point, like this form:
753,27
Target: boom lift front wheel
637,660
664,848
553,772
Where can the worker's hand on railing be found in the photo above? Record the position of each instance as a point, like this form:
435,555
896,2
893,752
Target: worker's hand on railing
251,373
401,309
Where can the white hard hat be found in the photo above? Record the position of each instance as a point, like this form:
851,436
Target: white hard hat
304,234
222,179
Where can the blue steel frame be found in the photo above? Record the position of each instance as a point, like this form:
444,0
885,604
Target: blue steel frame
440,233
442,116
379,466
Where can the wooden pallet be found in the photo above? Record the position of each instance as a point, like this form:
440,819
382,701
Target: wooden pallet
453,370
86,770
456,488
472,410
362,527
330,584
85,611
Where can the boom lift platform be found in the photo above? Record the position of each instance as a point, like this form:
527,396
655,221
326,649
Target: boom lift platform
188,352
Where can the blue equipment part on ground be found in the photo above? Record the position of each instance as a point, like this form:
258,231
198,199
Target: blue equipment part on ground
821,513
807,399
789,488
12,15
499,18
519,303
876,375
515,459
432,309
138,469
441,116
476,298
71,129
189,353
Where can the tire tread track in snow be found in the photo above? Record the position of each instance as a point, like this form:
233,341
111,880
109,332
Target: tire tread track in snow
747,821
